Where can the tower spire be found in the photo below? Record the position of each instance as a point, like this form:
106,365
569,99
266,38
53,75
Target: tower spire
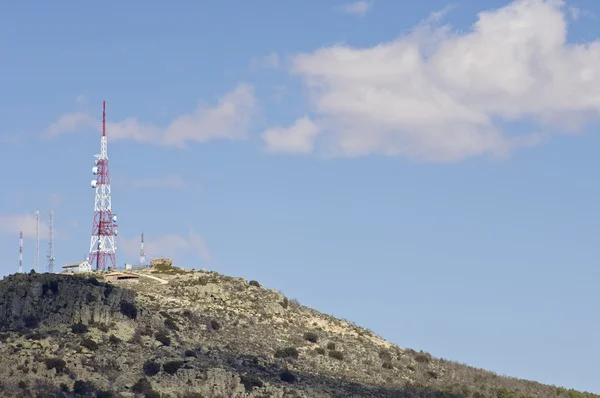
102,243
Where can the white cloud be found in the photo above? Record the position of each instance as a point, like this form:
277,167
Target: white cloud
298,138
268,61
10,225
357,8
441,95
229,119
170,245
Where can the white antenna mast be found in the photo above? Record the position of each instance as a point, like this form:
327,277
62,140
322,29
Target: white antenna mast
37,241
51,242
21,252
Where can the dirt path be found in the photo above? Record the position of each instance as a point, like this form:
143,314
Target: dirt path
161,281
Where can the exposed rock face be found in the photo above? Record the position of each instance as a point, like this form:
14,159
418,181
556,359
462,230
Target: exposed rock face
200,334
59,299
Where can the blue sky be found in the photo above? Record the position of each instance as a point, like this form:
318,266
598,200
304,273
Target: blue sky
427,171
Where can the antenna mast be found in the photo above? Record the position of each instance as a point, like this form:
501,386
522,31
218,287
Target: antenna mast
142,253
21,252
51,242
37,241
102,244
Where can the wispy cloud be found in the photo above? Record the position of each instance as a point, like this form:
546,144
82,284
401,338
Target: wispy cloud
10,225
270,61
298,138
169,245
229,119
359,8
436,94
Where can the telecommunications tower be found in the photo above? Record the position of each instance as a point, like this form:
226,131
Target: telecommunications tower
21,252
142,254
102,244
37,241
51,242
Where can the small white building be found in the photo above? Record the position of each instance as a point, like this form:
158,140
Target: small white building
79,266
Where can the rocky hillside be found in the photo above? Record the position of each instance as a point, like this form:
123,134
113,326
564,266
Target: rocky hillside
183,333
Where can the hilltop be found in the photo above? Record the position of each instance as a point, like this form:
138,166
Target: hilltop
180,333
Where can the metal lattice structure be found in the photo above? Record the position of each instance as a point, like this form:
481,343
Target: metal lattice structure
37,241
102,244
51,242
21,252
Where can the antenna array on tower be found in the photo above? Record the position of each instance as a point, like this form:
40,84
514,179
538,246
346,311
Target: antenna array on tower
102,244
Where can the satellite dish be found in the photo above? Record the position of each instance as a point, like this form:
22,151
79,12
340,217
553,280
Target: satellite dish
114,218
96,162
116,232
94,170
94,183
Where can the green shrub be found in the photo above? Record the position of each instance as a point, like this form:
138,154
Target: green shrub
31,321
331,345
56,363
172,367
336,355
250,382
163,338
93,281
311,336
151,368
387,365
287,376
128,309
254,283
191,353
105,394
215,325
285,303
114,339
79,328
89,344
82,387
170,324
288,352
22,384
320,350
422,357
142,386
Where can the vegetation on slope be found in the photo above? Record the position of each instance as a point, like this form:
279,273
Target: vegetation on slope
205,334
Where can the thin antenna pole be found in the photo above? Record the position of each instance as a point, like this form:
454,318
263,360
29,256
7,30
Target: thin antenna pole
51,242
142,253
37,241
21,252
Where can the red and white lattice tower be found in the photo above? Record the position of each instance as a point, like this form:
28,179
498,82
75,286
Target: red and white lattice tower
102,245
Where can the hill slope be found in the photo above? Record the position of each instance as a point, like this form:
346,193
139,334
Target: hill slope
200,334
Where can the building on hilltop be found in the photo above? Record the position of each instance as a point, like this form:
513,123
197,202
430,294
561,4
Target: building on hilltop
78,266
165,262
121,277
